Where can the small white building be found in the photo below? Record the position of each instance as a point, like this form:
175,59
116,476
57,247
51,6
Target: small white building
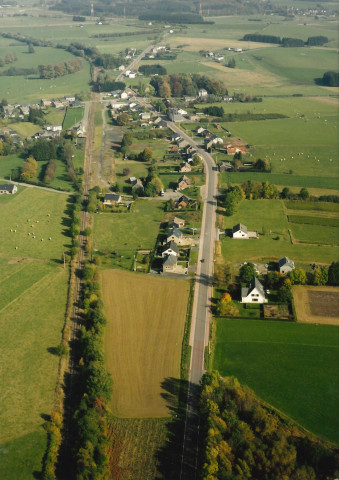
8,188
239,231
253,293
124,95
202,93
285,265
170,248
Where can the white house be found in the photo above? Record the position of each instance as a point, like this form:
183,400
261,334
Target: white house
202,93
112,199
123,95
54,128
121,68
254,293
182,111
239,231
285,265
8,188
170,248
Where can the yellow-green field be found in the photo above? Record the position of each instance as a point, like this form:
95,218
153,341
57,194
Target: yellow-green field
143,337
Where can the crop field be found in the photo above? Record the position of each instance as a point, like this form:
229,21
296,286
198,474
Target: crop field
292,366
133,446
143,337
319,305
125,233
33,293
269,216
34,213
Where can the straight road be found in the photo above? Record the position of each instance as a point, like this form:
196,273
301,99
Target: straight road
134,62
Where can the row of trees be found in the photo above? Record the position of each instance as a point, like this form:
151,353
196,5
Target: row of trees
178,85
95,388
286,41
60,69
243,439
190,18
155,69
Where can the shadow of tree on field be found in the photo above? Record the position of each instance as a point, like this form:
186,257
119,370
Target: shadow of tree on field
175,459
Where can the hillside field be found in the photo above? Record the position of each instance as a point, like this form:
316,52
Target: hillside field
33,292
292,366
143,337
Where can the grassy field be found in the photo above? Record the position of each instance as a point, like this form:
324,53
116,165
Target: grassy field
313,234
128,232
281,180
34,205
276,243
73,116
135,343
33,293
292,366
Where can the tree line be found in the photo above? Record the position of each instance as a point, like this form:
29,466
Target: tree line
152,70
189,18
9,58
285,41
60,69
178,85
243,438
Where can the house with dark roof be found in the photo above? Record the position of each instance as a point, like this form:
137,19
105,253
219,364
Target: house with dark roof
170,248
183,182
285,265
176,222
169,263
112,199
253,293
8,188
174,235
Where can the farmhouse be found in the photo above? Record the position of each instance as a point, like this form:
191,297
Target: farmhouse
175,137
8,188
176,222
169,263
145,115
232,150
112,199
174,235
174,115
183,182
170,248
254,293
137,185
241,231
285,265
184,202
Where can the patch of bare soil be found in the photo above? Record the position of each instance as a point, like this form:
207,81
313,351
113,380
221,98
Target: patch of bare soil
317,304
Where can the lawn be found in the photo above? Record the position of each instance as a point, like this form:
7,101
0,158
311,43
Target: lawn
146,317
34,205
269,216
292,366
9,163
128,232
325,235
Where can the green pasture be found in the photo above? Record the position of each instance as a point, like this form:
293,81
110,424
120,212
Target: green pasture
126,232
32,89
60,180
292,366
314,234
34,205
72,117
304,146
24,129
317,206
279,179
268,216
29,369
311,220
9,163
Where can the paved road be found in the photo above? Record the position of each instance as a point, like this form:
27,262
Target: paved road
134,62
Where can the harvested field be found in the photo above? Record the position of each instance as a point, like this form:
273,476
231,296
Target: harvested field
145,326
317,304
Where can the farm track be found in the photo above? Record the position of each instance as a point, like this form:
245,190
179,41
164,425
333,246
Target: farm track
66,461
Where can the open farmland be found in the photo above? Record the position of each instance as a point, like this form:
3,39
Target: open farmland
33,292
143,337
292,366
318,305
269,216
